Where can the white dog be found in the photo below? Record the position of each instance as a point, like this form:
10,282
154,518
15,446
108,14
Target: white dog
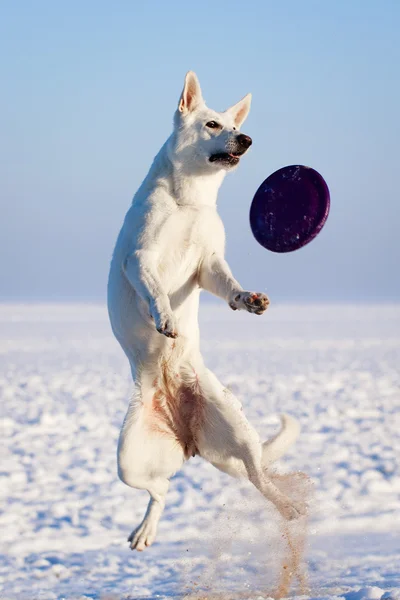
170,247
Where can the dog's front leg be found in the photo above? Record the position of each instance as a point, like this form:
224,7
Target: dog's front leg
140,269
215,276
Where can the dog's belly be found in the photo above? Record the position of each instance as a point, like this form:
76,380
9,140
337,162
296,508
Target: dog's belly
134,328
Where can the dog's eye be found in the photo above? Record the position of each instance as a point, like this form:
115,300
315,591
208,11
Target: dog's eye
213,125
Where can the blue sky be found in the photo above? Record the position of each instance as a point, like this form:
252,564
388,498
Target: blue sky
88,94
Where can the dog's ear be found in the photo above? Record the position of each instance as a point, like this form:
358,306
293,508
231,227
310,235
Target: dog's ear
191,96
240,110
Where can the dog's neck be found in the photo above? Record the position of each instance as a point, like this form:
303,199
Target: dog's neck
196,189
186,187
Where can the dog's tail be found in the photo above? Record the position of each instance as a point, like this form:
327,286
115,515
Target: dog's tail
277,446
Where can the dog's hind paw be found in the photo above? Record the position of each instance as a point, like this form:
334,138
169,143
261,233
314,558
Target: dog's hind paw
292,511
143,536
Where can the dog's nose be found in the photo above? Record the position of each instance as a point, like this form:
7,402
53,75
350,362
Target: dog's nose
244,140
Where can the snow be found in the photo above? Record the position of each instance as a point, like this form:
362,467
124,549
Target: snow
65,516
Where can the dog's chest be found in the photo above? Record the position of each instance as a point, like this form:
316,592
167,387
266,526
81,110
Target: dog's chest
189,234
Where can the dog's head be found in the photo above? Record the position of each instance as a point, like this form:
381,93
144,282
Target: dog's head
205,139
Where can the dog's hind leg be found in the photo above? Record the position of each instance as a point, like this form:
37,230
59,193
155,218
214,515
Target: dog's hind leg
227,440
148,456
145,534
272,449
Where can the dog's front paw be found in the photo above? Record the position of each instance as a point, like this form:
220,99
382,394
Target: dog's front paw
253,302
167,326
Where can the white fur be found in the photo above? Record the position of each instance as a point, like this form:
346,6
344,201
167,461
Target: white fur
170,247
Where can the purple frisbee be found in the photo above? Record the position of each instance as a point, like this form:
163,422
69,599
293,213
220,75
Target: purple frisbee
289,208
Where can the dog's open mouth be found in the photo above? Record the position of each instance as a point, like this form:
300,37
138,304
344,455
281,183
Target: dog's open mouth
225,158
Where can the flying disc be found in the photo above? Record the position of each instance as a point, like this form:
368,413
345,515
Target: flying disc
289,208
